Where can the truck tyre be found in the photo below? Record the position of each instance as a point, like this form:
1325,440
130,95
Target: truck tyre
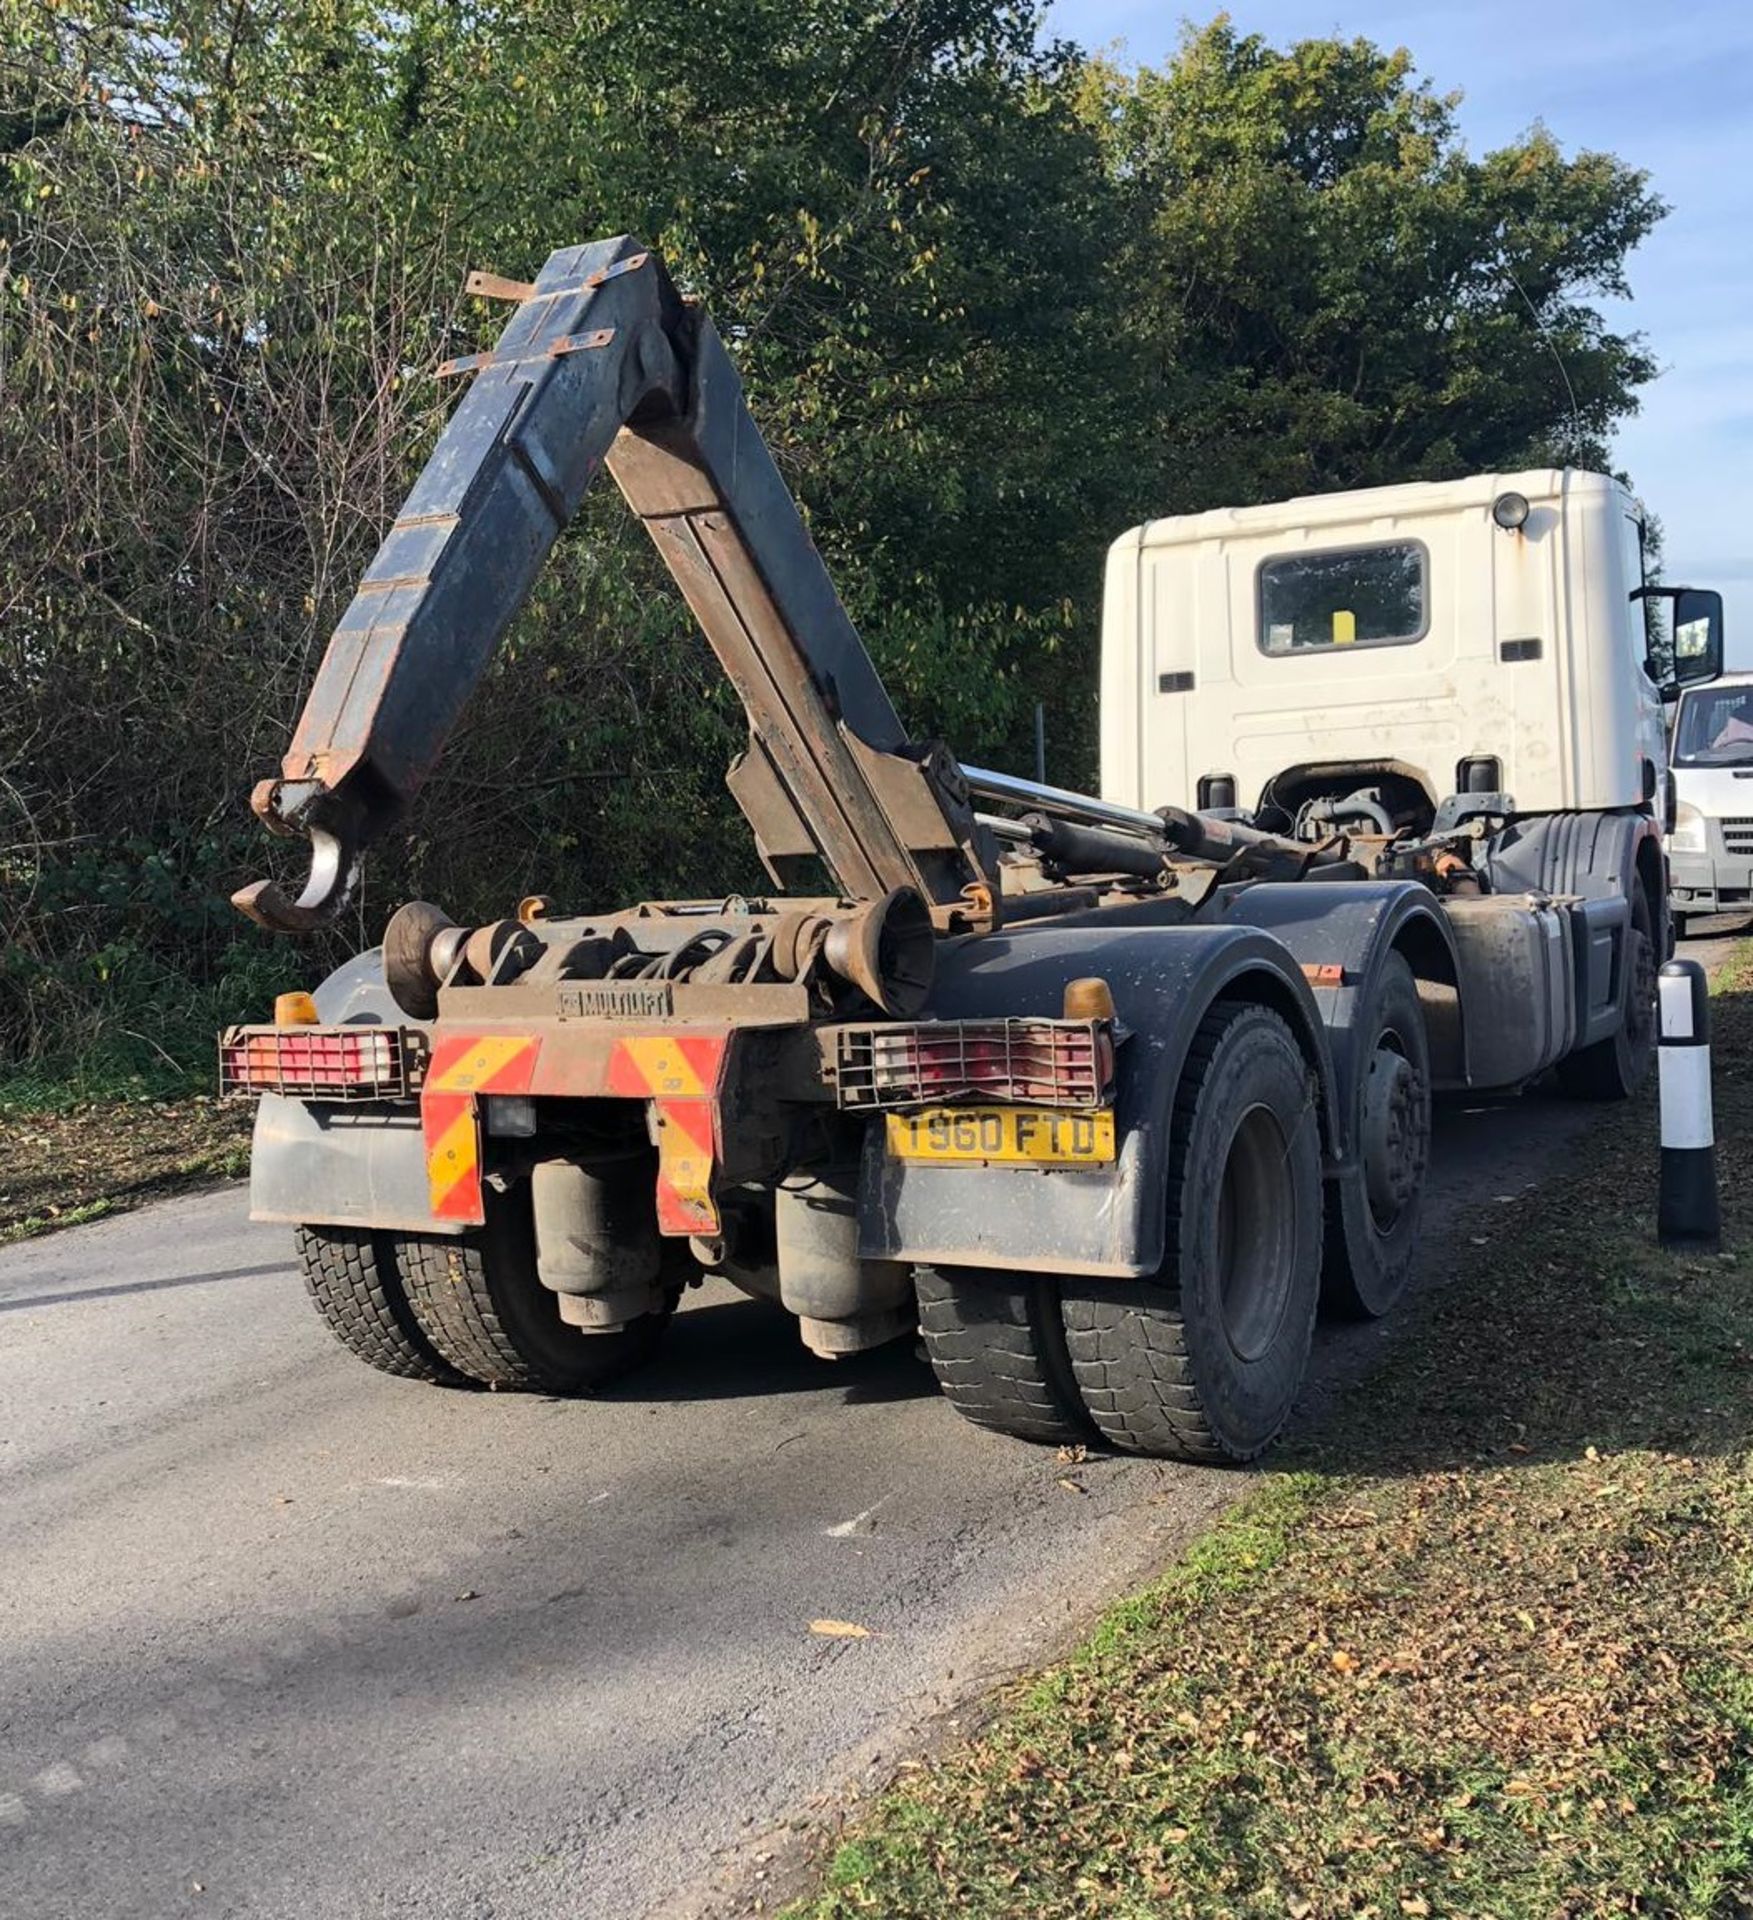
478,1300
1372,1218
1614,1068
1204,1362
355,1289
997,1346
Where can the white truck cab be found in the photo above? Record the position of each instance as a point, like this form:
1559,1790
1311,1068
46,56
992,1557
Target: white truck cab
1386,649
1710,850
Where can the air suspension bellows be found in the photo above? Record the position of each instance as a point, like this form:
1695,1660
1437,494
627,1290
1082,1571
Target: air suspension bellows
597,1243
843,1304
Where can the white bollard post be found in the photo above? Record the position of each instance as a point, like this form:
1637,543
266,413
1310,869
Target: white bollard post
1687,1216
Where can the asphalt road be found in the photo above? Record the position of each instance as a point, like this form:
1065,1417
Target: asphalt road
281,1636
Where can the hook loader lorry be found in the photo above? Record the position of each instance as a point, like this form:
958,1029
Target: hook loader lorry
1103,1094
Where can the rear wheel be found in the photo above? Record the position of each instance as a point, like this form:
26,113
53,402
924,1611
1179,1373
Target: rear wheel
479,1302
1204,1362
1614,1068
1373,1215
997,1347
353,1285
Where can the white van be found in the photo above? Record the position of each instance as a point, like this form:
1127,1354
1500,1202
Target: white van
1710,850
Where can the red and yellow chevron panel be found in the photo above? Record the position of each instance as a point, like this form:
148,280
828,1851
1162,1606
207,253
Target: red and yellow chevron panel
687,1157
483,1063
679,1073
668,1066
463,1066
451,1125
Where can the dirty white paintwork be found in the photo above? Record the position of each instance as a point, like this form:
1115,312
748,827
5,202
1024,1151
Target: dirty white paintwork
1572,727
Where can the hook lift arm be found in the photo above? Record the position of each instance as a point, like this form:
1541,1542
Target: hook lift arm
605,363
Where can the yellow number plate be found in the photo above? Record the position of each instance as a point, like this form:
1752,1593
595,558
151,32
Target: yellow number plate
1012,1136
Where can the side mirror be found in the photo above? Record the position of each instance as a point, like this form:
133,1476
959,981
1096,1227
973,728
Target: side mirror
1698,634
1694,618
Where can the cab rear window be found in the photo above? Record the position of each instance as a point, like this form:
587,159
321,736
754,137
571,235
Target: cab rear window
1347,597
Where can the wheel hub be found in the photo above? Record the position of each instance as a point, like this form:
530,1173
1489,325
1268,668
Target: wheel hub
1393,1134
1256,1234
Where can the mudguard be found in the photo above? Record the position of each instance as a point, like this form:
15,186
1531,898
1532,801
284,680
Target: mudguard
344,1166
1107,1221
1354,926
1591,854
1344,934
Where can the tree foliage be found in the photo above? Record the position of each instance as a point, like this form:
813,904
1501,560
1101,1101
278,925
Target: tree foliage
1332,292
992,302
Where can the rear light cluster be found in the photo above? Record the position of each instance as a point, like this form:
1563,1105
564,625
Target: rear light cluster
1046,1063
321,1063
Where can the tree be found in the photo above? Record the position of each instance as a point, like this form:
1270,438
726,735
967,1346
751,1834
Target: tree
235,235
1330,292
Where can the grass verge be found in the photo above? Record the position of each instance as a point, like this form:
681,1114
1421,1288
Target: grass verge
1483,1647
64,1164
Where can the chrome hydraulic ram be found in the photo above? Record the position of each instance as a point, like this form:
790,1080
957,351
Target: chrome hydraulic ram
1194,836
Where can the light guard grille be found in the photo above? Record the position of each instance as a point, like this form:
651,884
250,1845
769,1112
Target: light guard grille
321,1063
1040,1063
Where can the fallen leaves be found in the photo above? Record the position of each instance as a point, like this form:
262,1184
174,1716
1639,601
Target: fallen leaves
1488,1654
839,1630
65,1167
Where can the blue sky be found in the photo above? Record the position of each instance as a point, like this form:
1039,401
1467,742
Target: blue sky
1669,89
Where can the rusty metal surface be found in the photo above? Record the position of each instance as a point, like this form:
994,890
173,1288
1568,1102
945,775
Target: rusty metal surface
838,774
495,286
749,962
604,363
507,474
554,350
